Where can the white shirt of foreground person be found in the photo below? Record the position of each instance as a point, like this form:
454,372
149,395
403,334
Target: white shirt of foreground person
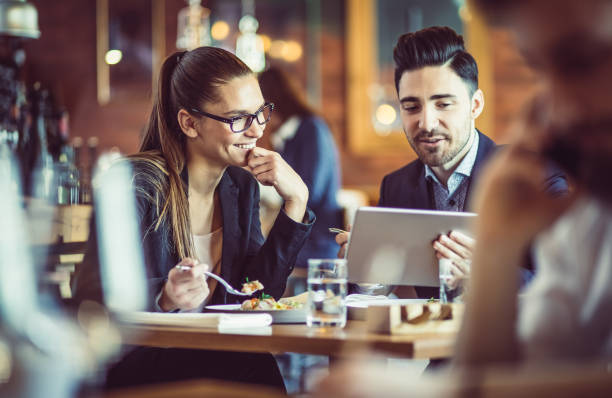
567,309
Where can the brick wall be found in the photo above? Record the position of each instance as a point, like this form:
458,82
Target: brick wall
64,61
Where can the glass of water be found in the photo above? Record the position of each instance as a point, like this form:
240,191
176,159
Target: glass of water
326,305
451,286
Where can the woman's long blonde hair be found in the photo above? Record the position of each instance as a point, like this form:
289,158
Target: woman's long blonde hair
187,80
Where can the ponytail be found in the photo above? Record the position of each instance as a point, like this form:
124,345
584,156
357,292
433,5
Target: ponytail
162,117
168,156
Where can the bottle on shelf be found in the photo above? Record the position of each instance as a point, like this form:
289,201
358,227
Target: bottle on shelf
68,180
84,176
9,134
25,145
87,173
42,180
92,144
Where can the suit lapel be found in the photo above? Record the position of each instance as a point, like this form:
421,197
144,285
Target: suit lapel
486,147
418,196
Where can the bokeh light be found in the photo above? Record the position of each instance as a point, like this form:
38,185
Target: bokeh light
219,30
277,47
113,57
385,114
292,51
267,42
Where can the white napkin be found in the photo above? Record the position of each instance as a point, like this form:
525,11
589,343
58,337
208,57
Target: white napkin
207,320
364,297
363,301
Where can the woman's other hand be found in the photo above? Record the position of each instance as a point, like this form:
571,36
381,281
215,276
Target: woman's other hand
269,168
186,287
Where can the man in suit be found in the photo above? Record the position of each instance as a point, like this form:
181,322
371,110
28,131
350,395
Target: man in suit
437,84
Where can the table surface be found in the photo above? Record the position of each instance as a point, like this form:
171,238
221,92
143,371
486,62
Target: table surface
194,388
353,340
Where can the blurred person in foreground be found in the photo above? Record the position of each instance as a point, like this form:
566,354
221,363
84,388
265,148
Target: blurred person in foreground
304,140
196,179
565,312
564,315
437,85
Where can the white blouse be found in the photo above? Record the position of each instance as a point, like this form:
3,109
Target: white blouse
208,251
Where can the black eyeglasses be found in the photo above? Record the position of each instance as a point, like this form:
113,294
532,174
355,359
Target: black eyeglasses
238,124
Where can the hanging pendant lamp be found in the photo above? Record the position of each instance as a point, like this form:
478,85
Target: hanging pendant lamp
18,18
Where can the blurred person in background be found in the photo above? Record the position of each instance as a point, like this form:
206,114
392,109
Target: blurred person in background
565,312
196,181
305,142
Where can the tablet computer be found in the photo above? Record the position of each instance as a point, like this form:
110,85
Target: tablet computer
394,246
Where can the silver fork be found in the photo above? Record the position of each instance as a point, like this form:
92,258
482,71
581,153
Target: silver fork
227,286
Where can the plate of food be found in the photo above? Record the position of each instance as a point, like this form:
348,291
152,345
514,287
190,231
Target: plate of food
285,310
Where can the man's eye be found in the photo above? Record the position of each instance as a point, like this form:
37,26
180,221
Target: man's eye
411,108
444,105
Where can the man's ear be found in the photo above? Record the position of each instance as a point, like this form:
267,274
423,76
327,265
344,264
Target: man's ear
477,104
187,123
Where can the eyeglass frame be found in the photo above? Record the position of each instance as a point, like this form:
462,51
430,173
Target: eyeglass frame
230,121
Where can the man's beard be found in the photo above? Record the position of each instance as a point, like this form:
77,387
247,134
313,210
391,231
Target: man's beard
591,168
435,157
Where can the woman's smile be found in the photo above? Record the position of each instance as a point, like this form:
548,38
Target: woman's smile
246,146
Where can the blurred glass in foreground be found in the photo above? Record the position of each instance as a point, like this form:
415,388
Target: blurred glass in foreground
121,259
451,286
43,353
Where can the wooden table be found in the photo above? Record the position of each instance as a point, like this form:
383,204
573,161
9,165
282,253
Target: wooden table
194,389
353,340
559,380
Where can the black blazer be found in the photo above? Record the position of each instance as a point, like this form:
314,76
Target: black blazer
245,252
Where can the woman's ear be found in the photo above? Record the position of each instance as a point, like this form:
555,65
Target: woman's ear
187,123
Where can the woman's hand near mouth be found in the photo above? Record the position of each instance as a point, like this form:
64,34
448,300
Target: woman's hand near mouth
269,168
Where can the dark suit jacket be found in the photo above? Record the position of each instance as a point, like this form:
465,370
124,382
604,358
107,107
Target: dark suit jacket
407,188
245,253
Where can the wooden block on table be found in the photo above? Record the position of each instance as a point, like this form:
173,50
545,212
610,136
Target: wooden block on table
414,318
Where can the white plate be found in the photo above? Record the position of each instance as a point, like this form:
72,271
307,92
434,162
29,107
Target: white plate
220,320
278,316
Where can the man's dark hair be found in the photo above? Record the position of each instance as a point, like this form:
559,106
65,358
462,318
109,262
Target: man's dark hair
435,46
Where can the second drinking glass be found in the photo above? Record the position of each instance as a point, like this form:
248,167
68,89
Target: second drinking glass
326,293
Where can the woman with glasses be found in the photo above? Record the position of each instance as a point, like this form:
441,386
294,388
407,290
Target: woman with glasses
196,181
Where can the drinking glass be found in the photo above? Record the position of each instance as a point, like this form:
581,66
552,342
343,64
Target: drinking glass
451,286
326,305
